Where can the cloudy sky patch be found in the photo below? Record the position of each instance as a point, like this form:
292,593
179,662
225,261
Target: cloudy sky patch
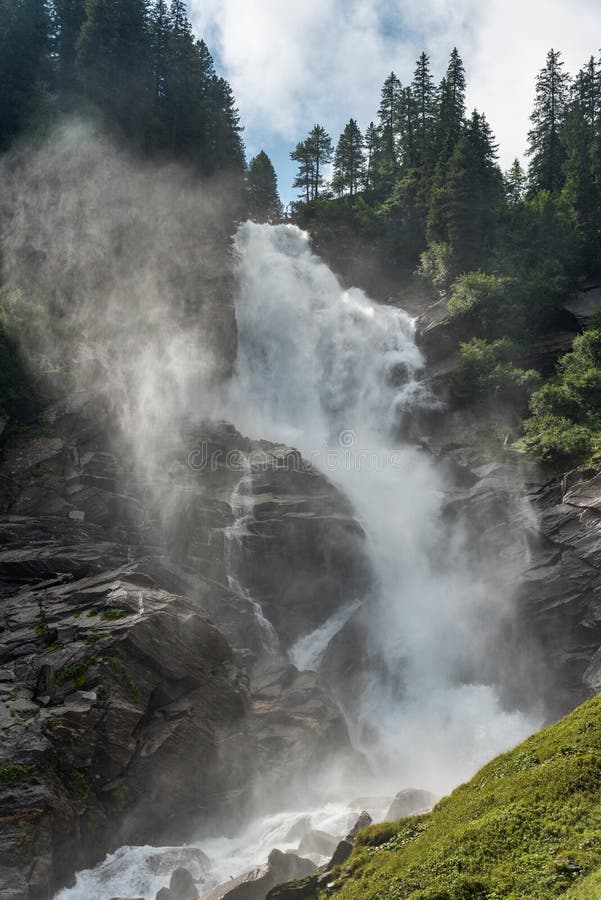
292,64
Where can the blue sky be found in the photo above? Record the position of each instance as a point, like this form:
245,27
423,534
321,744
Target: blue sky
295,63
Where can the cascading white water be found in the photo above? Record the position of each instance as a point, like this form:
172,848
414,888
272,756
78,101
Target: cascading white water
336,375
241,504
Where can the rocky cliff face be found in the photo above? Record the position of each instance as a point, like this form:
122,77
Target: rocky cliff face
132,707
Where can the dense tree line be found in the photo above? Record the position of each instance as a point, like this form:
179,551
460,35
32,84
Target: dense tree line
133,64
424,190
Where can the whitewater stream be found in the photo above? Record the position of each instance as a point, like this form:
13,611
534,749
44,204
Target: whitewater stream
330,372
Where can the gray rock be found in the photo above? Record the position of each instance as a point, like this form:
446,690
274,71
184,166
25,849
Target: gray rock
345,847
341,854
182,885
164,862
298,830
362,822
409,803
255,885
165,894
318,842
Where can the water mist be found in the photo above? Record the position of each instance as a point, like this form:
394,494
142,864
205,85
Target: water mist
337,376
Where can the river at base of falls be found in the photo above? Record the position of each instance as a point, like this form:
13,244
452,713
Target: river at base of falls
337,376
129,871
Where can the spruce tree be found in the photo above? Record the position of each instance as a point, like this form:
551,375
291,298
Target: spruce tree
305,175
264,204
451,107
515,183
70,16
24,37
113,63
319,144
372,141
349,162
545,147
474,190
423,110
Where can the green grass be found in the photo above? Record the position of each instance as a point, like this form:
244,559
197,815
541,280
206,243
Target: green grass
528,825
587,889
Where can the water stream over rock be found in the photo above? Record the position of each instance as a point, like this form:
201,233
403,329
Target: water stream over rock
339,377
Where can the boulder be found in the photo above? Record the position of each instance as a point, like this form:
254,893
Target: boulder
318,842
297,831
345,847
410,802
182,885
164,862
165,894
255,885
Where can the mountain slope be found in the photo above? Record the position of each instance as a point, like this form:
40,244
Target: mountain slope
528,825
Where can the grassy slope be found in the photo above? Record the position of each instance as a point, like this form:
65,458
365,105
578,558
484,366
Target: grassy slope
528,825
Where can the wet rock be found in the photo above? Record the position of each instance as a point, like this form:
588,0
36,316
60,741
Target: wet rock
345,847
300,828
319,842
182,885
362,822
255,885
410,802
165,894
166,861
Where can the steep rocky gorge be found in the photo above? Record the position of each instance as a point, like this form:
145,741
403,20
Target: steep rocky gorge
112,674
137,603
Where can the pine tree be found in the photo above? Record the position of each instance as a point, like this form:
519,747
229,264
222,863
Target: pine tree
319,144
545,147
305,176
423,112
582,187
264,204
24,39
515,183
349,162
474,191
451,107
371,150
388,114
113,62
408,128
229,146
70,16
159,30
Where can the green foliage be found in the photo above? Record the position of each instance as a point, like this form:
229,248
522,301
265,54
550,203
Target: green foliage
526,827
493,304
113,614
134,64
349,162
78,785
557,440
486,374
435,265
76,671
312,156
16,772
264,204
42,632
565,425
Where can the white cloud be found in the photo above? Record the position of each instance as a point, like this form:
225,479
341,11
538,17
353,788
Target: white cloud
294,63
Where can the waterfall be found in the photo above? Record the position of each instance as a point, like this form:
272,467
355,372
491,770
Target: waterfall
241,504
338,376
